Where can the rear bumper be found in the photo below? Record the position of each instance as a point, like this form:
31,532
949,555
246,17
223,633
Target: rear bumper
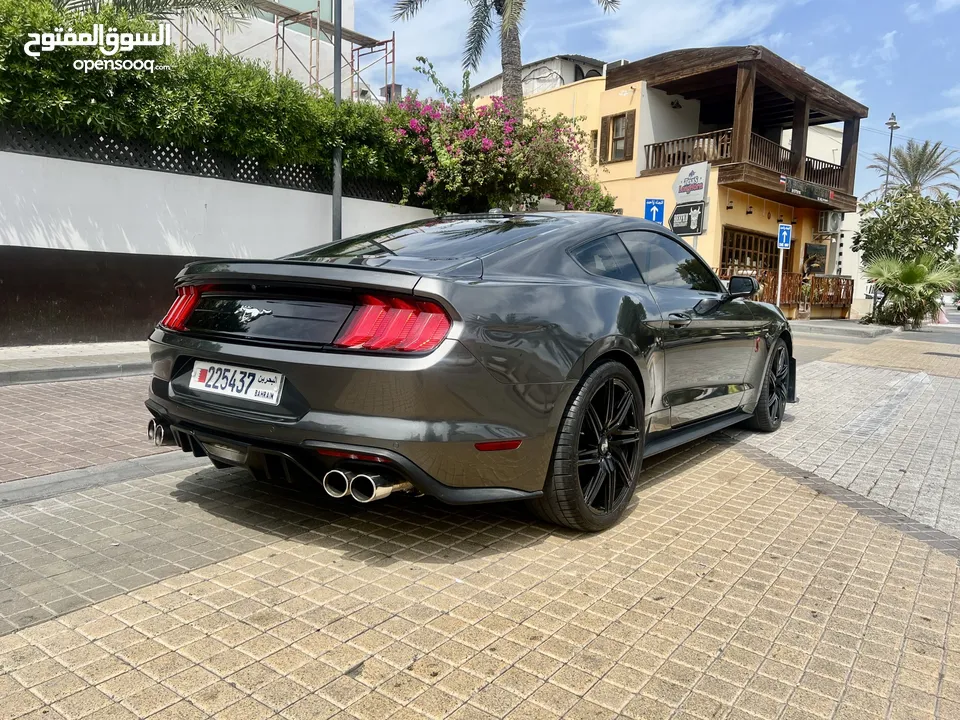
423,414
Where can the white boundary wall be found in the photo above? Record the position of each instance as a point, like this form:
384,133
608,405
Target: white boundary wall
70,205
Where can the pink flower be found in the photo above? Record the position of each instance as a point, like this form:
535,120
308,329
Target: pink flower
486,144
507,143
416,125
401,132
468,133
432,175
424,141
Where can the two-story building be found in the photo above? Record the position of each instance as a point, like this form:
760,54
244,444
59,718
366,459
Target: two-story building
707,126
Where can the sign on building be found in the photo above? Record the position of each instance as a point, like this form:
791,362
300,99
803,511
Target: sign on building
688,219
691,183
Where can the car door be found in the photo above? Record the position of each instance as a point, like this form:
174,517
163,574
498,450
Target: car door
708,339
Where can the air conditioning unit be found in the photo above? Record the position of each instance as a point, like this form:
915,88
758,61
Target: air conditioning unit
830,221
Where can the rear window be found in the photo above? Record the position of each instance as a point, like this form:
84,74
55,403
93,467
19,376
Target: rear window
434,239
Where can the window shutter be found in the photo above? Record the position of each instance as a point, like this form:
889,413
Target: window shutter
594,146
630,126
605,140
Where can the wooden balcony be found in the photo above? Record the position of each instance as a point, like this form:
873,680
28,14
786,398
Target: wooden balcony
717,147
829,294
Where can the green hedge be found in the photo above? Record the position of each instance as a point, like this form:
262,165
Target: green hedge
220,103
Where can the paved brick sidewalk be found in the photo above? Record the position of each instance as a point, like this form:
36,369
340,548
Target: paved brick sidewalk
42,363
889,435
50,427
909,355
729,591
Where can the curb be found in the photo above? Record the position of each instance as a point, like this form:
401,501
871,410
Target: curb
44,487
74,372
864,331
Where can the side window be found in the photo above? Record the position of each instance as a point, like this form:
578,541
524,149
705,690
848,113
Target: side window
667,263
606,257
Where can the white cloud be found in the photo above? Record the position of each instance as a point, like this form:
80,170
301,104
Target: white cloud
642,27
920,12
947,115
825,68
953,93
774,41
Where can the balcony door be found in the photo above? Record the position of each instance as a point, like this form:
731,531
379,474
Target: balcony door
742,251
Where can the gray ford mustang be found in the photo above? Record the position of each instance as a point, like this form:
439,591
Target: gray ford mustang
537,357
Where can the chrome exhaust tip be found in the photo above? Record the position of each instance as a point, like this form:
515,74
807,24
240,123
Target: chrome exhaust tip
337,483
159,434
367,488
151,430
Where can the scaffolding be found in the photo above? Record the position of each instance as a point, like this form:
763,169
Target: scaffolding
361,48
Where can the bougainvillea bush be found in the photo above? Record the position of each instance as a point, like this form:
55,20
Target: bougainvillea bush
471,159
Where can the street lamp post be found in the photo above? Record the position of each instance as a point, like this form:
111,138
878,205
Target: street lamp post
337,151
892,124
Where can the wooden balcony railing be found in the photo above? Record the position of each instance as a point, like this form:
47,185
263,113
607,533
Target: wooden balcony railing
683,151
789,290
831,291
769,154
717,146
823,173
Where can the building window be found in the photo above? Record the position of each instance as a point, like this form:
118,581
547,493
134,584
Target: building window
616,137
594,141
745,251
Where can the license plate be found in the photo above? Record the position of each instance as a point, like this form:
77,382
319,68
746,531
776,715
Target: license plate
256,385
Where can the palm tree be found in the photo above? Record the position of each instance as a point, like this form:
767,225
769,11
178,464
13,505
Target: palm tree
912,287
509,13
228,12
922,167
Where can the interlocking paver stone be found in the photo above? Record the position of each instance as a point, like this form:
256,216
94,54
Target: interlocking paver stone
52,427
888,435
730,590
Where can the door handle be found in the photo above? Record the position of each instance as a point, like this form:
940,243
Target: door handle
678,320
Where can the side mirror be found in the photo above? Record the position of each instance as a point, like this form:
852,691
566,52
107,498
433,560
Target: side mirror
743,286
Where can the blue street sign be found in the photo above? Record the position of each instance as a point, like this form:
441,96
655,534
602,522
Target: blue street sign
784,235
653,210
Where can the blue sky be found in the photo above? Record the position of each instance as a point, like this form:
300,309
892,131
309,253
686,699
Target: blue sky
892,56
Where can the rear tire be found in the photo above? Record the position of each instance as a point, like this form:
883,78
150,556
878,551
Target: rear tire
598,452
772,404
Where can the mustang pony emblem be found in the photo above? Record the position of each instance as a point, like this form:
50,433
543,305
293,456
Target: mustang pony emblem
249,314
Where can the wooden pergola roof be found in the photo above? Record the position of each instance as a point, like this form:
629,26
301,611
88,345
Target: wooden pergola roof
710,76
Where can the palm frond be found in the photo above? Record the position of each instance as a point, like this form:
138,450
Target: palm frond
481,22
227,12
609,5
512,15
406,9
922,167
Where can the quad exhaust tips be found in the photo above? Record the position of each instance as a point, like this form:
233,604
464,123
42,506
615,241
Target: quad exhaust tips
336,483
367,488
363,488
159,433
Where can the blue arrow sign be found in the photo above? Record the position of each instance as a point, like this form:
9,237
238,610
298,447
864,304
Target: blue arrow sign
653,210
784,236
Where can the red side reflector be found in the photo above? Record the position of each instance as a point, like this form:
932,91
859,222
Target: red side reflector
498,445
397,324
349,455
187,298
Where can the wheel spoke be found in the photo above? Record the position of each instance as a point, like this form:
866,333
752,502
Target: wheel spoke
611,392
611,498
620,414
625,437
588,457
622,465
593,487
594,420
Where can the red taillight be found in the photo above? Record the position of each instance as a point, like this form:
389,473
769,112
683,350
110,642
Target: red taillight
187,298
396,324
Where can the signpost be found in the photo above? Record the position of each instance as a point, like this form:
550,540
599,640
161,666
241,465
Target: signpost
653,210
784,236
687,219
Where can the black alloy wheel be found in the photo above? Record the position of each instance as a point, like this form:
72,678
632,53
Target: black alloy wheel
773,395
598,452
